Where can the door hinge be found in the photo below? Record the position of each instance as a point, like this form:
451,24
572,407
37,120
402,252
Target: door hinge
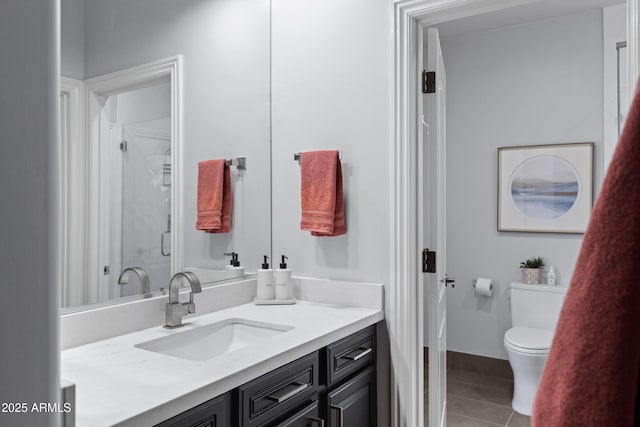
123,146
428,81
428,261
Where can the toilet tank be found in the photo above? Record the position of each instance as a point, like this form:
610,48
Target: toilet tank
536,306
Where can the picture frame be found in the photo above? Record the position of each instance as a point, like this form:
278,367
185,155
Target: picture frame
545,188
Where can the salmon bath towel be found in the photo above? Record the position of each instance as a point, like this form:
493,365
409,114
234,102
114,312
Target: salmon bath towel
214,196
591,376
321,194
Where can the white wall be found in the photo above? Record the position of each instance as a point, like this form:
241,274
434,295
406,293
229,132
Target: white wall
225,44
330,91
72,38
29,360
537,83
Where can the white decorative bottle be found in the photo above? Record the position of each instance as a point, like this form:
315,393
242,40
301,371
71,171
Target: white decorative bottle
551,276
265,281
284,282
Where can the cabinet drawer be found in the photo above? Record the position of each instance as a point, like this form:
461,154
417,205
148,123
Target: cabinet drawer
308,417
214,413
270,396
350,354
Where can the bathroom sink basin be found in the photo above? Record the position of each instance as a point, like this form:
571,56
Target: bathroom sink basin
217,339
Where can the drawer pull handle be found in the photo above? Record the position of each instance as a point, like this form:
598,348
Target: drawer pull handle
281,398
340,413
359,355
313,421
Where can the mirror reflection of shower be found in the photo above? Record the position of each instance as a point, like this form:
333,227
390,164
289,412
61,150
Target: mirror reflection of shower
140,121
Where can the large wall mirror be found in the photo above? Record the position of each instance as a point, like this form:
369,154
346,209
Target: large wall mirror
150,88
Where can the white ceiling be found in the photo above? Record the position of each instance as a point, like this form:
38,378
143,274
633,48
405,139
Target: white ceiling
531,12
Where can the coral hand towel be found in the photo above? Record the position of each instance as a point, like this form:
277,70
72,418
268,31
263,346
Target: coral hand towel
214,196
321,194
592,374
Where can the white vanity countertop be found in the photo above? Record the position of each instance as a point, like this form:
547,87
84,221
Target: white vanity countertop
119,384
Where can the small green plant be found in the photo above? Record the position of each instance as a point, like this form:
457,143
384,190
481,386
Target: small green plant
532,263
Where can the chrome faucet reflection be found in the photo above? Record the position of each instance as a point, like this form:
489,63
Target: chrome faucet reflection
143,277
174,309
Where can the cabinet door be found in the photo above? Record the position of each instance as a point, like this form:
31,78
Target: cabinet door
308,417
214,413
353,403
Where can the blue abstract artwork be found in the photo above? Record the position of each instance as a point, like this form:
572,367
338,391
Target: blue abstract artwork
544,187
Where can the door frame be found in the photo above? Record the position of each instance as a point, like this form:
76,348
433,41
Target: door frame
404,307
72,189
110,84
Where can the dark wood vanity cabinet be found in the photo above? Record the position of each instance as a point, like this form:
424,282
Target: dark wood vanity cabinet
332,387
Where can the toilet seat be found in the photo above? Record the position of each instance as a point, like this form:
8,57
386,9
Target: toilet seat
528,340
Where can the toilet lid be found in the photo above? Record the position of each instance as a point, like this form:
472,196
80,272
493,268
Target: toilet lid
529,338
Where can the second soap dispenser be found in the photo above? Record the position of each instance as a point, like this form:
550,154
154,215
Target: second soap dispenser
284,282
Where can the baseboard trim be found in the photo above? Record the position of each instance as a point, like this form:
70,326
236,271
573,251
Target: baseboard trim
477,364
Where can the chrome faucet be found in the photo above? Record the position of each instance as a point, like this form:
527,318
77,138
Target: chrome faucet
174,309
145,283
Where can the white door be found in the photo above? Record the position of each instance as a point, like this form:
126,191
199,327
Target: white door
433,227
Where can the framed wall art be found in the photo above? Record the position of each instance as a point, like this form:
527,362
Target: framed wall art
545,188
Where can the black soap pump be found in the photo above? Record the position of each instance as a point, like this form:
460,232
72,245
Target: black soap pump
284,282
234,262
265,282
234,268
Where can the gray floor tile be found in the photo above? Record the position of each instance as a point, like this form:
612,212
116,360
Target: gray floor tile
480,410
454,420
479,379
519,420
479,392
479,364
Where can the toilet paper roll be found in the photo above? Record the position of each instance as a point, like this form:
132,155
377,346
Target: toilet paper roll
483,286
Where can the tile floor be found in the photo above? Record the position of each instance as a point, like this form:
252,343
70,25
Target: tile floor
477,400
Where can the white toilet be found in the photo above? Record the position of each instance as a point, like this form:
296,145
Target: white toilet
534,314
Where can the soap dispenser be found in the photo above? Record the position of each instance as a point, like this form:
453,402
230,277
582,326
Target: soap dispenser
265,281
284,283
234,267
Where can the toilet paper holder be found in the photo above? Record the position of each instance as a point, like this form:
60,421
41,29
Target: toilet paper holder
485,289
474,282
